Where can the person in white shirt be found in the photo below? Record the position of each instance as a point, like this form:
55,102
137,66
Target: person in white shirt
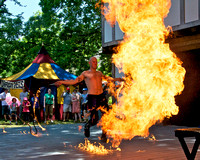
21,97
67,108
5,106
84,104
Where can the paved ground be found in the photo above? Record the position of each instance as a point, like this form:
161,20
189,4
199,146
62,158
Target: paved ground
59,141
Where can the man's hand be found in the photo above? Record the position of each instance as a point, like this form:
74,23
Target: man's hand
121,79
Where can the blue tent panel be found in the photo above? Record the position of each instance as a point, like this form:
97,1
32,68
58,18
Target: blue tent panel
61,73
30,71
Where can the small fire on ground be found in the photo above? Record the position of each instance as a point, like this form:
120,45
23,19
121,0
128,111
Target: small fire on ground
4,131
95,148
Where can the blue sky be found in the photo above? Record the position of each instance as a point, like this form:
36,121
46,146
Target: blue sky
31,7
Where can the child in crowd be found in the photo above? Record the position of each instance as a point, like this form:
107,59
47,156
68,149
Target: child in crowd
13,109
26,104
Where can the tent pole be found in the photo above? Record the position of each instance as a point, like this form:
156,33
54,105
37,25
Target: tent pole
30,84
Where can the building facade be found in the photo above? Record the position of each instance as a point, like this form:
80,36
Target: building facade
184,17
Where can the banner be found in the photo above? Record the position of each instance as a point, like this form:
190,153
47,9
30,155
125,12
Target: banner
12,85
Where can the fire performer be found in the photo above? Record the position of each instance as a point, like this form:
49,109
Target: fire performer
96,98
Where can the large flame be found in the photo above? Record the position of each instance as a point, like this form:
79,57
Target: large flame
153,73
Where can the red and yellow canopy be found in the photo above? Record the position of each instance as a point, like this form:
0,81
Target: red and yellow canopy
42,67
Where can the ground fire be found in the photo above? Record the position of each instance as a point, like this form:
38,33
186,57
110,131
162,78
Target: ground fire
94,148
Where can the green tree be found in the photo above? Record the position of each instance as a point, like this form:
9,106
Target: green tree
10,32
69,29
80,32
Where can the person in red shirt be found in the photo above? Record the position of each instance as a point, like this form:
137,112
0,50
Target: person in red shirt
26,111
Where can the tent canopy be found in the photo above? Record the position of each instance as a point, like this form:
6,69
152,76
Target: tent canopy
42,67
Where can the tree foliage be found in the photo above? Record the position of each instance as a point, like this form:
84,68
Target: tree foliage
69,29
10,31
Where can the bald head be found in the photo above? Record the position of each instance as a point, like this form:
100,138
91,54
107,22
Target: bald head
92,58
93,63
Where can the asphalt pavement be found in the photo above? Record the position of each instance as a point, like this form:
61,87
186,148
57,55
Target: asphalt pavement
61,141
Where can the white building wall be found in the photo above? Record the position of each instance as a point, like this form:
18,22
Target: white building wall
108,32
191,10
118,33
117,74
183,14
173,17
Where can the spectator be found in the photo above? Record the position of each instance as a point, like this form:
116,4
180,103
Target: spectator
77,89
5,106
84,104
22,95
76,109
26,111
67,104
49,105
13,109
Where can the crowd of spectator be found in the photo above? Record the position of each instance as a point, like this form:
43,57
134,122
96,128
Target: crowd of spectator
74,106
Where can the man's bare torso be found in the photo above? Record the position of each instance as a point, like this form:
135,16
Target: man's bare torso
93,80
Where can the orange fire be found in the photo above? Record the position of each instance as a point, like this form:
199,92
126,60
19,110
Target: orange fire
36,135
35,117
80,128
152,138
43,129
153,73
93,148
4,131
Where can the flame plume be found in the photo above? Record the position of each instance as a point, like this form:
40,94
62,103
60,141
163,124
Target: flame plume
153,73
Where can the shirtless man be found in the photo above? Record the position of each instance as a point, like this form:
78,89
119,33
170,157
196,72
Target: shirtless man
96,98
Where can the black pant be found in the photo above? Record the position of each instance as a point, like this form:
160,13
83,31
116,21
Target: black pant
26,116
94,102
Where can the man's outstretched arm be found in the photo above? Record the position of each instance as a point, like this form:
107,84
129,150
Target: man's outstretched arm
70,82
110,79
